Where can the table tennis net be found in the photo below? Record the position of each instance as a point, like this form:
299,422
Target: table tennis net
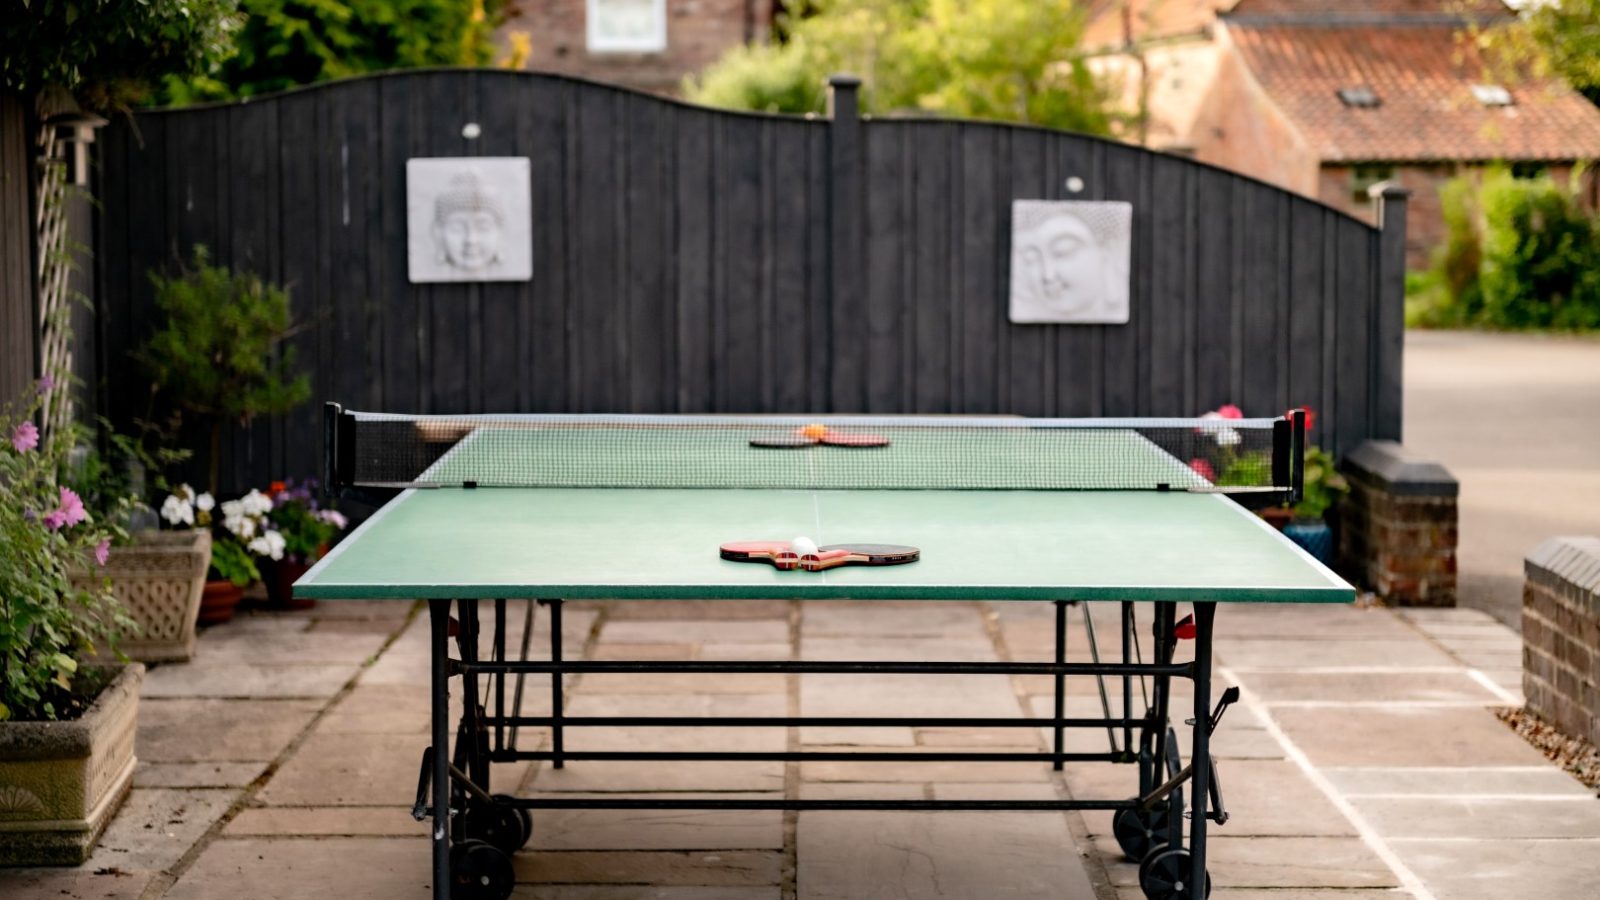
378,450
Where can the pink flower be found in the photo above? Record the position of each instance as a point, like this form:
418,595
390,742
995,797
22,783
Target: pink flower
1203,469
46,384
25,437
102,551
68,514
1229,411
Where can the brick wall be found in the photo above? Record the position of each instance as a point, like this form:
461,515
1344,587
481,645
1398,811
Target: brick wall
1424,215
698,32
1397,526
1238,127
1561,635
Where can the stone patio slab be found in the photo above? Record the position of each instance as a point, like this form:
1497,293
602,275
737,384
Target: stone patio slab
890,619
1276,687
247,681
1272,862
696,631
642,892
212,730
1501,869
1263,797
1544,780
1483,817
747,868
906,695
859,737
945,649
850,855
670,777
656,829
372,770
196,774
617,610
390,821
157,826
296,869
1412,737
703,705
72,884
679,683
279,647
1411,653
744,651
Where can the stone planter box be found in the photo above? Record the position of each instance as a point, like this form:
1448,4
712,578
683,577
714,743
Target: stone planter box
61,782
158,579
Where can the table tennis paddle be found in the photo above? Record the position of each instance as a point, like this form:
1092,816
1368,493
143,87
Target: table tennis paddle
812,435
783,557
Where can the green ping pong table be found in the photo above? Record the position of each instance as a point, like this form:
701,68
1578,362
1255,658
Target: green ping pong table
544,509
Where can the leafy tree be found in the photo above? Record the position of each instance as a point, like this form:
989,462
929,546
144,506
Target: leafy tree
1554,38
995,59
284,43
110,53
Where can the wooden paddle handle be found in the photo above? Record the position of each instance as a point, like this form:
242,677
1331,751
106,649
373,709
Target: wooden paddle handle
826,559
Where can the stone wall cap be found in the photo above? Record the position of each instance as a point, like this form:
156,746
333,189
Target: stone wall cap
1575,560
1402,470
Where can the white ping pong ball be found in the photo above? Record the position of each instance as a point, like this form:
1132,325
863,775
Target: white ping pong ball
471,130
1075,184
803,546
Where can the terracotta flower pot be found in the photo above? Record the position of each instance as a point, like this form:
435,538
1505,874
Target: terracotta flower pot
280,577
218,601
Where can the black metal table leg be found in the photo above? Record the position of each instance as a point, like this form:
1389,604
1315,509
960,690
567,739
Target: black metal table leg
439,621
1060,681
557,735
1200,756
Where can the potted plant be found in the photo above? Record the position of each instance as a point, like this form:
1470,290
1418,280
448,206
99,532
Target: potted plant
307,530
66,727
1323,488
156,576
218,355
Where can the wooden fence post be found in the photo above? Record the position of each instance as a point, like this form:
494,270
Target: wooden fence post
1389,315
846,256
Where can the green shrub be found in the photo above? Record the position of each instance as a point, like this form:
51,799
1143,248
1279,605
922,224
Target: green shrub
763,78
217,354
1541,256
1518,253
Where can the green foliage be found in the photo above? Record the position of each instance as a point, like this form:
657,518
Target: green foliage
110,52
1553,38
284,43
217,354
1323,485
1519,253
230,561
992,59
46,623
1541,256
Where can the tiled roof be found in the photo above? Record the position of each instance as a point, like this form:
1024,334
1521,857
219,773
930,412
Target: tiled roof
1365,8
1423,76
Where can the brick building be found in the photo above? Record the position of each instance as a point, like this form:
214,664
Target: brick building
649,45
1326,98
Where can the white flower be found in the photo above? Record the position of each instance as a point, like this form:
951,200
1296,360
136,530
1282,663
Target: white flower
177,511
334,517
204,503
232,509
1222,434
256,503
269,544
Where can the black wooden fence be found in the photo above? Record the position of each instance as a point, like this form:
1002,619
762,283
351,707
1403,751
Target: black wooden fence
17,331
694,260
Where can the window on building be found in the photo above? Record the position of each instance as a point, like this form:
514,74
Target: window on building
627,26
1491,95
1364,177
1528,169
1359,97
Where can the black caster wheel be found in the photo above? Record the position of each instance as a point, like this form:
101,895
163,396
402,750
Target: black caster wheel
501,826
480,871
1165,875
1137,830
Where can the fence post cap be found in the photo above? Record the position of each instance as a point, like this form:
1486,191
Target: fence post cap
1388,190
844,80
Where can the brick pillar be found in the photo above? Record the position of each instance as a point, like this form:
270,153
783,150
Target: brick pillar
1397,526
1561,635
